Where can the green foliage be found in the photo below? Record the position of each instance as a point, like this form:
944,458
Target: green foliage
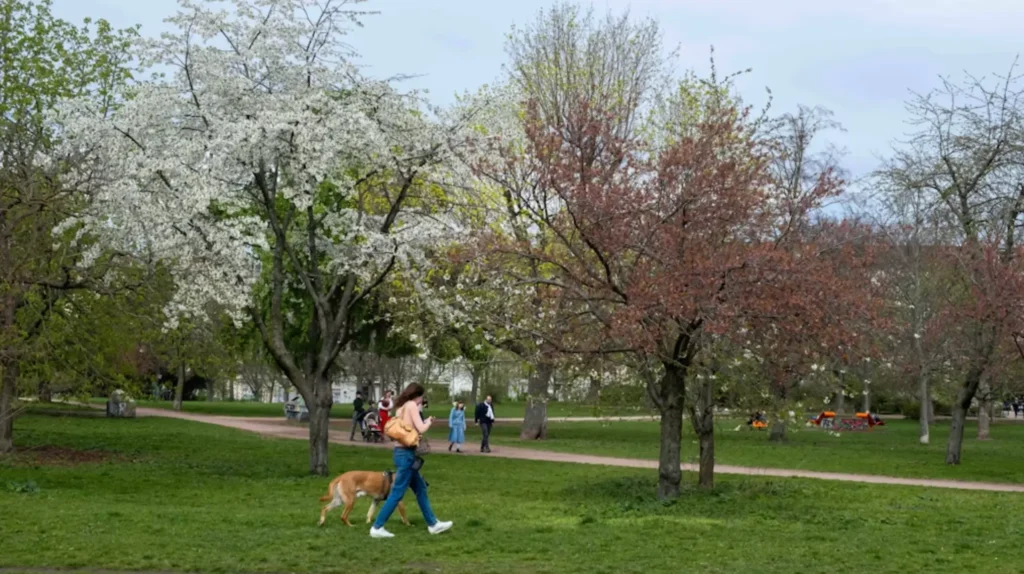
45,60
22,487
693,101
439,395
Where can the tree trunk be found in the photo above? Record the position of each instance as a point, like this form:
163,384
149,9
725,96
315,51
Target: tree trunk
43,392
956,435
319,426
984,422
702,415
924,414
672,393
867,398
209,390
179,388
8,380
8,395
960,408
474,390
778,431
535,422
841,400
707,460
594,390
984,409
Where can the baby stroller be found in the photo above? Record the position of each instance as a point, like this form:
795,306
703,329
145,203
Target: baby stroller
371,428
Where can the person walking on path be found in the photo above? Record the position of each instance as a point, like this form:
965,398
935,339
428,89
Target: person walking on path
384,408
407,467
484,417
457,427
358,413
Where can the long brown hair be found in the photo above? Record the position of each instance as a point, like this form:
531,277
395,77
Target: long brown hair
411,392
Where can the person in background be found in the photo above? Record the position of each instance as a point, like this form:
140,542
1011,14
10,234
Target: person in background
484,417
358,412
407,467
457,426
384,408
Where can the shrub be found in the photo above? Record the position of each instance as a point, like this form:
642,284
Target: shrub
438,393
911,410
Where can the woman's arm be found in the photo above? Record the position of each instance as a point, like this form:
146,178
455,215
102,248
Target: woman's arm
417,421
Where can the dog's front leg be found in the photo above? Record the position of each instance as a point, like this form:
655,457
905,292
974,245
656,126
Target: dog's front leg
373,507
401,511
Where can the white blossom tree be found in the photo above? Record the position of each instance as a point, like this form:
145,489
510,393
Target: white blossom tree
281,182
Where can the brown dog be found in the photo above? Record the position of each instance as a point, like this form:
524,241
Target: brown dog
356,483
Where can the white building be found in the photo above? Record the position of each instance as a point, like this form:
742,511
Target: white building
456,374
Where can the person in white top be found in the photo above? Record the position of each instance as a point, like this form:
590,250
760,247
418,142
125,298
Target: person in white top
484,417
384,408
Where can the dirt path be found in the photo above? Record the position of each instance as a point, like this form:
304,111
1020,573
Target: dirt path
279,430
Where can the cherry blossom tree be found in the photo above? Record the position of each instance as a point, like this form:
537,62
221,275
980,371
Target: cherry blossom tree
566,55
281,183
659,244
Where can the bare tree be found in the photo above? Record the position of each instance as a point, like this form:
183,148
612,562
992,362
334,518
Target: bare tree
966,155
907,220
566,58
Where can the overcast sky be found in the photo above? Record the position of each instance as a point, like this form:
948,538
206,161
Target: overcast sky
859,58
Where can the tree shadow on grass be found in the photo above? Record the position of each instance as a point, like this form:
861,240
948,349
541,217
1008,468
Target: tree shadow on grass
594,500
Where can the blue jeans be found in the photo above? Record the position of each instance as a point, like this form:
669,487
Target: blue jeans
405,477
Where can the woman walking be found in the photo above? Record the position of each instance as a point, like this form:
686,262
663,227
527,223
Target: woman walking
384,408
407,472
457,427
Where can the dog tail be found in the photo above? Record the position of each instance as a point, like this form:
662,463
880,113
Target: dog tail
330,492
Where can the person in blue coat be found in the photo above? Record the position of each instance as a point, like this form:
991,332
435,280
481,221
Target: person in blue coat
457,427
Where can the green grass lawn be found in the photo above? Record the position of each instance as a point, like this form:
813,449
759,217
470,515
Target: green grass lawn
344,411
159,494
890,450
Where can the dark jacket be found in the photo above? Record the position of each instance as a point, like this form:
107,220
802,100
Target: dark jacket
357,405
480,416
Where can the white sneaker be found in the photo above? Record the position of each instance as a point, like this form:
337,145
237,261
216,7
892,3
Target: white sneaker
380,533
439,527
